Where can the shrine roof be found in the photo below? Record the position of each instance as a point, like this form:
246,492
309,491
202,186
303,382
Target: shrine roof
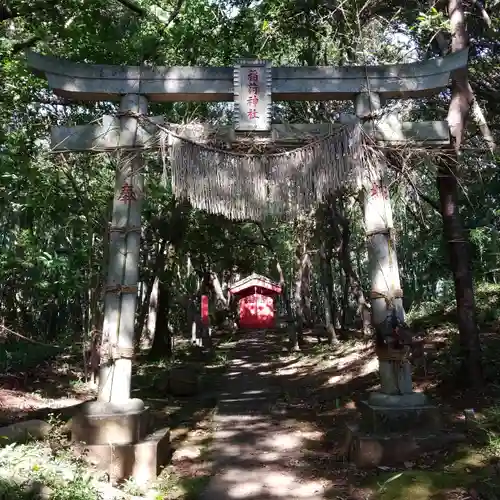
254,280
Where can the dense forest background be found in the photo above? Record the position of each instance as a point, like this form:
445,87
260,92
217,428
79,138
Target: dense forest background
55,209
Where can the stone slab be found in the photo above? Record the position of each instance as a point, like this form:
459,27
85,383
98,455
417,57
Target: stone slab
399,418
102,423
22,432
388,131
410,400
367,450
142,461
97,82
109,135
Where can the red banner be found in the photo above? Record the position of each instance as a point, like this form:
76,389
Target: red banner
204,310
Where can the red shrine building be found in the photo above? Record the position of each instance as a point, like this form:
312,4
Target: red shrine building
255,296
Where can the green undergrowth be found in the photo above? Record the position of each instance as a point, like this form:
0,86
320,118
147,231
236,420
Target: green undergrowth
34,470
464,470
470,471
443,311
21,355
152,374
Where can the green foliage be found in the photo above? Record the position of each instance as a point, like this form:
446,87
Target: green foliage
55,211
40,468
17,356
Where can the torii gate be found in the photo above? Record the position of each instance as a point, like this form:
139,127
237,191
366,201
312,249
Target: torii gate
368,87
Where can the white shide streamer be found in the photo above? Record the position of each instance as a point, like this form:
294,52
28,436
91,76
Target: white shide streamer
250,186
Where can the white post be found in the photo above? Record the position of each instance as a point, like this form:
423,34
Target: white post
123,273
386,293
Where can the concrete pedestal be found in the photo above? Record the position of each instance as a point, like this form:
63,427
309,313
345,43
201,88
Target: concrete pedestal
367,449
399,417
394,429
116,439
100,422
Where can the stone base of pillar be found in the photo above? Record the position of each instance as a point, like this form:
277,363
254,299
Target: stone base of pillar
100,422
409,400
369,449
394,429
142,461
115,437
399,413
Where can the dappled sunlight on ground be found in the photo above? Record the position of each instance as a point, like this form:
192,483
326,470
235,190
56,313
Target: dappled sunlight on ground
260,449
342,365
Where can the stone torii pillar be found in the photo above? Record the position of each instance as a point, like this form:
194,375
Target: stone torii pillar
117,349
114,428
386,292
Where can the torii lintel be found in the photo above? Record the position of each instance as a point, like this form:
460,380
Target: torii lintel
100,82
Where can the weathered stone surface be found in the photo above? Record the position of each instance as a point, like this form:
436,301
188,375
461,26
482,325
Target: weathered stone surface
141,461
411,400
399,418
101,423
22,432
108,136
367,450
105,82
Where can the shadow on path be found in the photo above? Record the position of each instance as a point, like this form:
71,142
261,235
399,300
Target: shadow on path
264,448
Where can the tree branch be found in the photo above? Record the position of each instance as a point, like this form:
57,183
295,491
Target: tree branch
20,46
175,12
129,4
482,10
475,108
154,10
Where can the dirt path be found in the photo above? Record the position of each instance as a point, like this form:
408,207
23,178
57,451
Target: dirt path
260,451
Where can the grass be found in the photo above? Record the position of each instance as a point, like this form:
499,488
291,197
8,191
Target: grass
469,471
451,475
27,470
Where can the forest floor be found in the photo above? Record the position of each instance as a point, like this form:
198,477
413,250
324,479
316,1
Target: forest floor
280,426
296,409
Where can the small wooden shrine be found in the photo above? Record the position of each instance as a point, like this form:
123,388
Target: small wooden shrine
255,295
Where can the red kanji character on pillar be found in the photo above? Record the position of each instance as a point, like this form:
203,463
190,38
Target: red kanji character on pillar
127,193
377,190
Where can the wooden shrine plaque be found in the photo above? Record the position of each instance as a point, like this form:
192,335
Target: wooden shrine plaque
252,96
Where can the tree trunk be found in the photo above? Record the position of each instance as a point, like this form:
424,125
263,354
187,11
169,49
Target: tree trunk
284,287
307,290
152,310
217,288
148,305
296,333
447,184
285,293
162,342
352,280
326,281
462,275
